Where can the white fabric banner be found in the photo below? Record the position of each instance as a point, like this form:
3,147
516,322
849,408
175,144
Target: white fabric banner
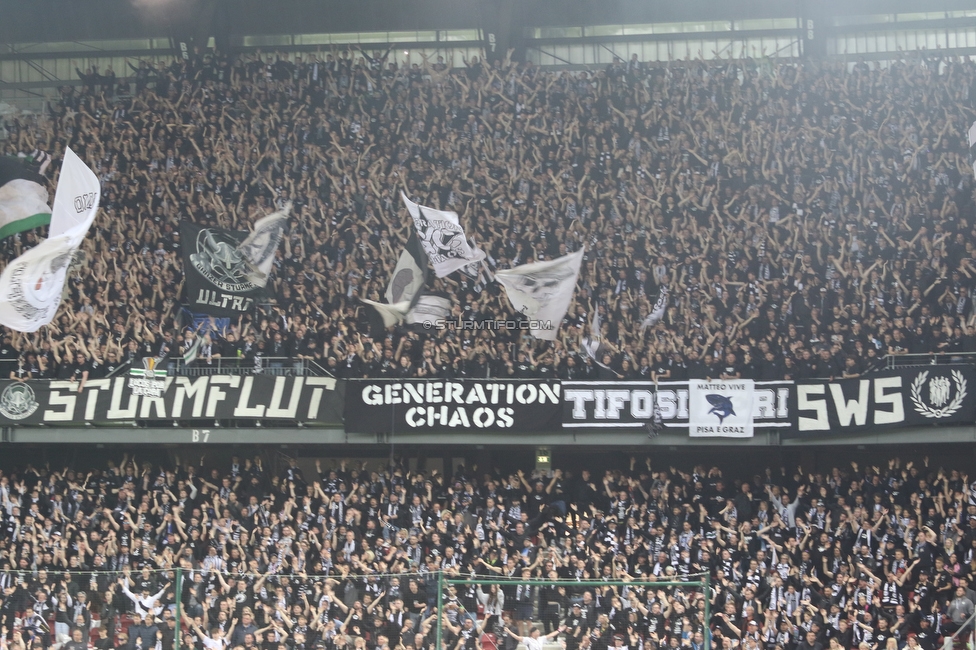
542,291
429,308
258,250
31,285
442,238
76,199
391,314
720,408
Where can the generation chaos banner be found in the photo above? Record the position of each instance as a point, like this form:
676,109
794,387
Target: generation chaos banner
466,405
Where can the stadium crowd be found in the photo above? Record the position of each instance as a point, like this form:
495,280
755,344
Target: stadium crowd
808,218
873,558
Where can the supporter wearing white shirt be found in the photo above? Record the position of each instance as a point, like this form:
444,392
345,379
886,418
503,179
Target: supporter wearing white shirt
534,640
144,603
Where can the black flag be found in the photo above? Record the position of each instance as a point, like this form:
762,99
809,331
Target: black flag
218,277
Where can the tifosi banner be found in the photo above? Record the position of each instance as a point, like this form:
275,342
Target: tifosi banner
626,405
469,405
216,397
901,397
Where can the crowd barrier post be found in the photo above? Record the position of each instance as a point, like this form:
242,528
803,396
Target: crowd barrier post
440,609
179,598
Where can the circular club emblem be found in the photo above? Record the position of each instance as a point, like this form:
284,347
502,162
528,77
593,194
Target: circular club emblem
18,402
218,259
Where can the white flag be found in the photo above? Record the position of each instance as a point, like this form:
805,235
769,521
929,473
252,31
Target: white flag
657,311
972,146
593,344
389,315
430,307
720,408
442,238
76,199
258,250
193,351
31,285
543,290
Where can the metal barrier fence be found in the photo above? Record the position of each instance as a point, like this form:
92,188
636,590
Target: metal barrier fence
274,366
928,359
277,366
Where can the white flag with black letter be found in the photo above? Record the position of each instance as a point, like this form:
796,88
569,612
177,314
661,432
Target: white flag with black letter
542,291
31,285
258,250
442,238
657,311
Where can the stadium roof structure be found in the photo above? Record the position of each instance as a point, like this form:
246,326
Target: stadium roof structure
39,21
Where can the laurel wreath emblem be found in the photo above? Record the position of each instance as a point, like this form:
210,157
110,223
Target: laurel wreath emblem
948,409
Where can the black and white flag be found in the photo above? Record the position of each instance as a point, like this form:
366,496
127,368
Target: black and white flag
258,250
410,273
542,291
657,311
383,316
442,238
593,343
429,308
404,291
219,280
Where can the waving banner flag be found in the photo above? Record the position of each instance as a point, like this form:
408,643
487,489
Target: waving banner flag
218,277
543,290
593,343
404,291
31,285
442,238
23,198
258,250
972,146
428,308
657,311
410,273
383,316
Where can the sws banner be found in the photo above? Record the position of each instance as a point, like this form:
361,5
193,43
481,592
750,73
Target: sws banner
221,397
392,406
681,404
219,279
904,397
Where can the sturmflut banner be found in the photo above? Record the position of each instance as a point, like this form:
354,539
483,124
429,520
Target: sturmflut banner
469,405
630,405
136,398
